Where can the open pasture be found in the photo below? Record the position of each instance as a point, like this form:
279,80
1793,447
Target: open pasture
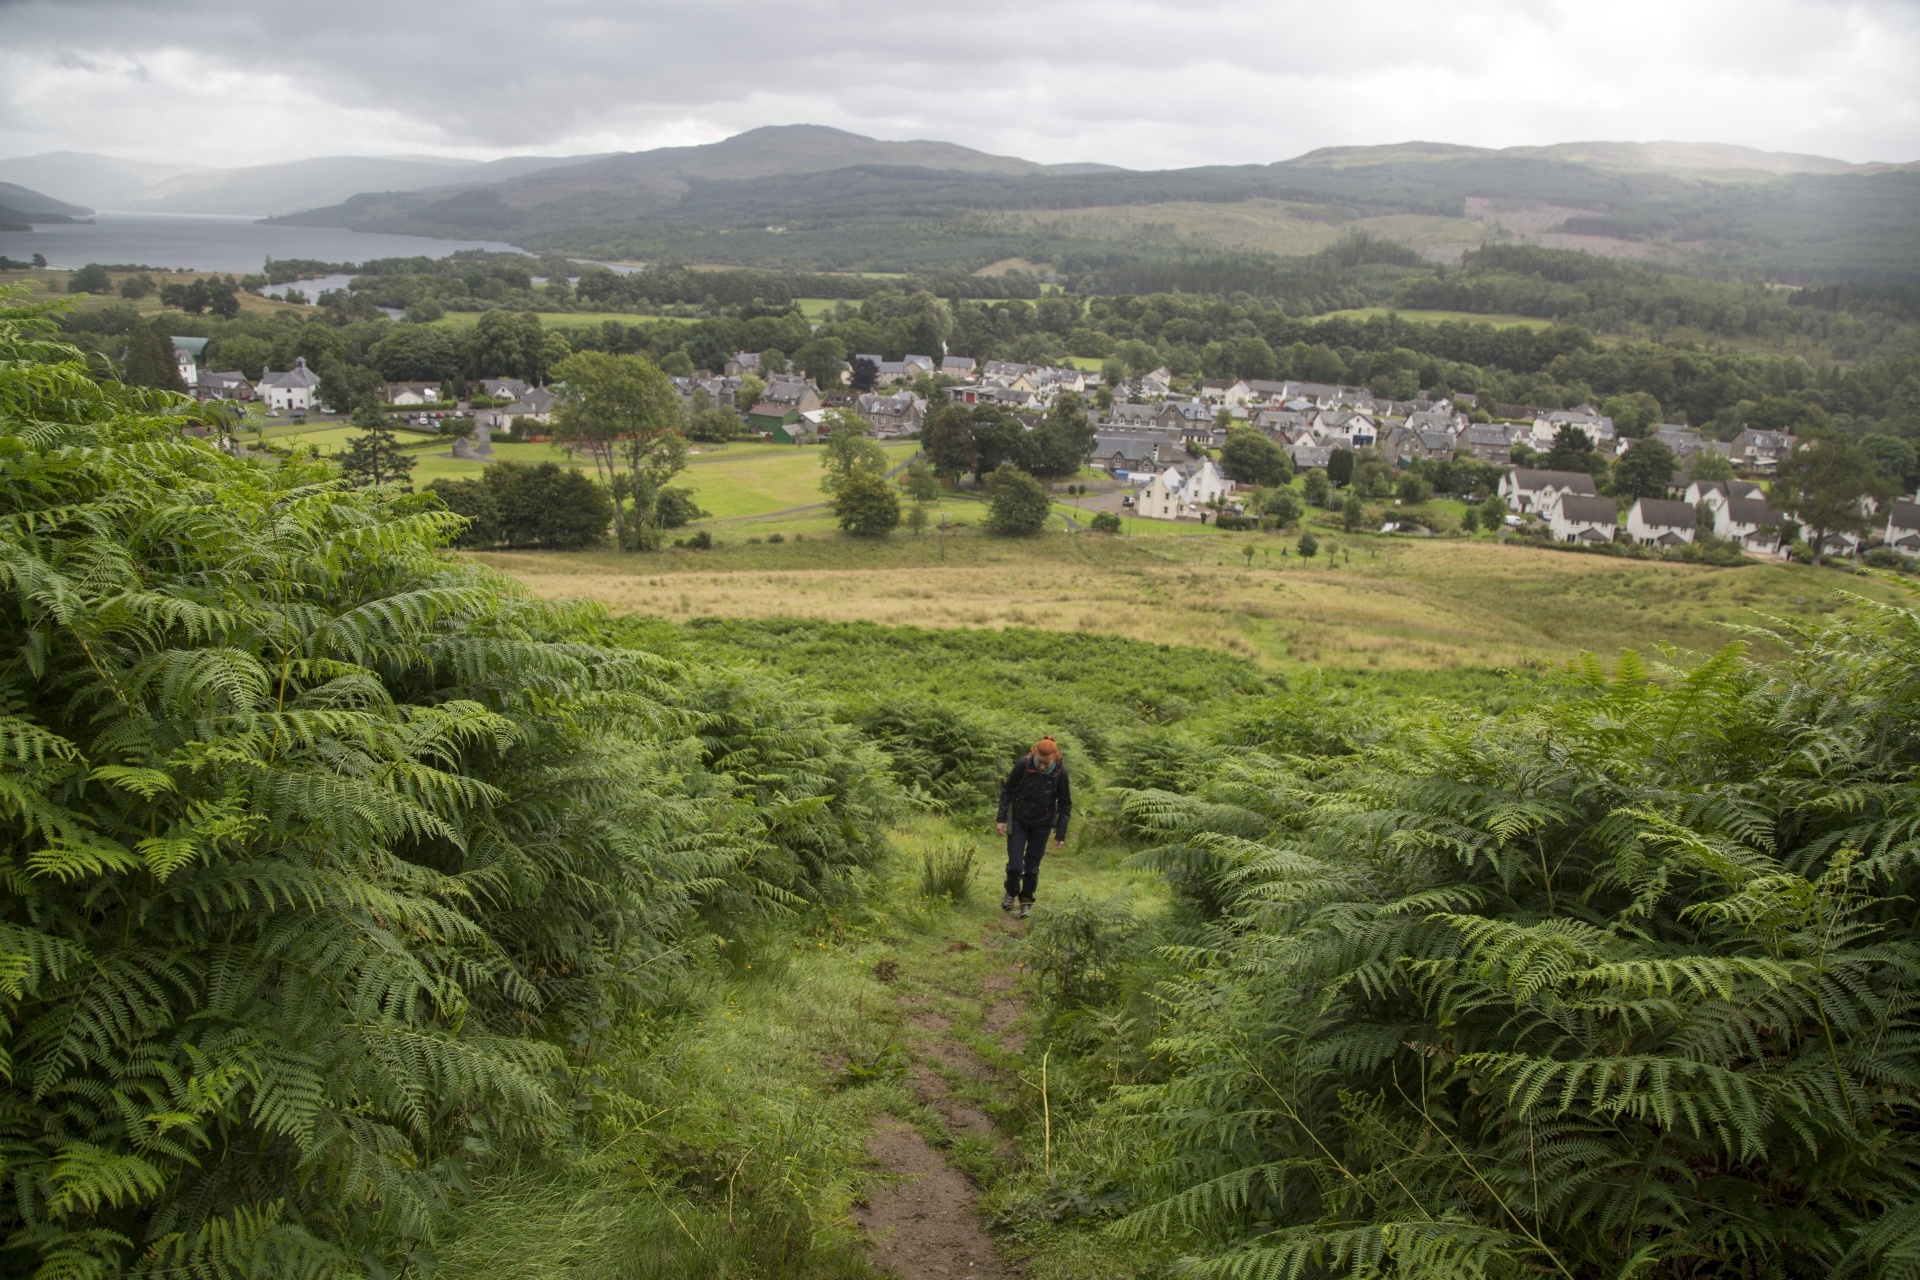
1364,602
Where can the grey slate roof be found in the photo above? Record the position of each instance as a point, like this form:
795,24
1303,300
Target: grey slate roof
1583,510
1667,514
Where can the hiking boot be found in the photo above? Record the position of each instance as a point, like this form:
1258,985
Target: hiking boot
1006,902
1026,909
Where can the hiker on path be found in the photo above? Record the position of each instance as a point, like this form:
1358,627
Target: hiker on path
1035,798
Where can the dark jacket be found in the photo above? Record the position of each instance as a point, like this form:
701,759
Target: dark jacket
1036,797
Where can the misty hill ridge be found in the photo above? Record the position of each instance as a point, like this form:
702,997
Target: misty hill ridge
1625,157
21,200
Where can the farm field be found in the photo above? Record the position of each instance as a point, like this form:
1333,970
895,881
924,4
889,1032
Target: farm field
45,286
1366,602
758,480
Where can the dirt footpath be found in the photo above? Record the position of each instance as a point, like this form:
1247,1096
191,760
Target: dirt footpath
923,1217
924,1223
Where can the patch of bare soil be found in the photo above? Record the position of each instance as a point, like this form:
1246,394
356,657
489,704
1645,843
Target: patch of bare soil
929,1022
999,1021
957,1058
924,1224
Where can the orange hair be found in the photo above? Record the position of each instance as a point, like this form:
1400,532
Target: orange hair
1046,749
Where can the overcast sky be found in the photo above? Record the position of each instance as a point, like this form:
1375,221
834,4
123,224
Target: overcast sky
1141,83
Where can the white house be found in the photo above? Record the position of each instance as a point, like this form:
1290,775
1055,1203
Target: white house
1660,522
413,393
1176,495
1224,391
188,355
1574,518
1717,493
1903,527
291,391
1751,523
1598,427
1529,490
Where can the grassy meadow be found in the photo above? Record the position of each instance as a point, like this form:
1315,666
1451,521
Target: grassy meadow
1367,601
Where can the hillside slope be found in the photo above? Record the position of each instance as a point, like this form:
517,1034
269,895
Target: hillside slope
809,197
35,207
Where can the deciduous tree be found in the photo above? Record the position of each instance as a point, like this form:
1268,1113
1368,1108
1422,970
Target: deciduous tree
1822,485
1017,505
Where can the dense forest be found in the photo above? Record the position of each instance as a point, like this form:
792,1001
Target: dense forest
1646,346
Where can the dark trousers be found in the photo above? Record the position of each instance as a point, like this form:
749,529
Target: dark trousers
1025,847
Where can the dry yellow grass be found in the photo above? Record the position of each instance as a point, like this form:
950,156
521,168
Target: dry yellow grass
1388,604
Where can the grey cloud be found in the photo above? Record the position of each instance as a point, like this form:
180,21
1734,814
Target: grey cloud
1143,82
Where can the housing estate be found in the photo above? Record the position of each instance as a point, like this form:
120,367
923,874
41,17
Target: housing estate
1578,518
1661,522
1528,490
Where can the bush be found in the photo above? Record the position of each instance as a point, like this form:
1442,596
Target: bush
1106,522
1018,505
866,505
1888,558
675,507
948,757
1235,524
699,540
518,504
1309,546
1080,949
1605,982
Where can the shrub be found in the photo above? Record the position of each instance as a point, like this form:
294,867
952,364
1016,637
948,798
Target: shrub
866,505
1017,505
699,540
1105,522
1080,948
1606,982
946,755
1309,546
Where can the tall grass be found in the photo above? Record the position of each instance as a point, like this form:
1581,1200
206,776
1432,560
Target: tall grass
947,871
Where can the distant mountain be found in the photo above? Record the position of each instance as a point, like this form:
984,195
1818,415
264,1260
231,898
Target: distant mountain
32,206
1620,157
301,184
618,186
103,182
131,186
822,199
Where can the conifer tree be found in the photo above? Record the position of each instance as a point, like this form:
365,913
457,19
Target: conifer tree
150,361
375,457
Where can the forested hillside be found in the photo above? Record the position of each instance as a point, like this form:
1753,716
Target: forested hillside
849,203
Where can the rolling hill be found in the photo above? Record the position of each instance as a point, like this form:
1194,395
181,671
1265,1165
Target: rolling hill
807,197
107,182
22,207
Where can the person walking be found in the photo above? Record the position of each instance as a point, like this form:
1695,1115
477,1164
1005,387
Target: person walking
1036,798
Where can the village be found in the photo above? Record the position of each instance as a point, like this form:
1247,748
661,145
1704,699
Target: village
1156,445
